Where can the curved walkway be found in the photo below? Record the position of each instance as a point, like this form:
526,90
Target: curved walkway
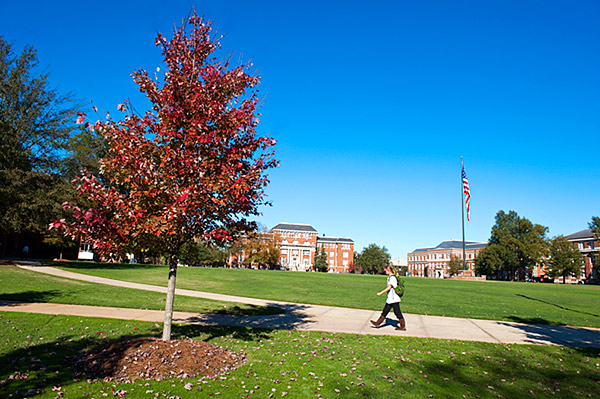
317,318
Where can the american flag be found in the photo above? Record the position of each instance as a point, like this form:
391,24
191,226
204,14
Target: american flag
467,192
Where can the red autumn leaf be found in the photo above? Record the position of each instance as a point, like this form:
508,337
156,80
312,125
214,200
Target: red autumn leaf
191,167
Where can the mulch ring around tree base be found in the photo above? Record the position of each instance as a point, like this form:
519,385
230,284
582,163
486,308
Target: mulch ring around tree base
152,358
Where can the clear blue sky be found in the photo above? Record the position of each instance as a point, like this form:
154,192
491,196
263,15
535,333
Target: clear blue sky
373,103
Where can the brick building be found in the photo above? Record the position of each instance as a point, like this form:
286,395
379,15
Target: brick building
340,253
299,243
433,261
589,247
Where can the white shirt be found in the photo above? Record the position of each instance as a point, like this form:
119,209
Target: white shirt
392,295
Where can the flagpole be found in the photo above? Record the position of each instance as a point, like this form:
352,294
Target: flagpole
462,203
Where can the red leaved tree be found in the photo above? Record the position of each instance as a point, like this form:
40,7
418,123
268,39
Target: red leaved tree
191,167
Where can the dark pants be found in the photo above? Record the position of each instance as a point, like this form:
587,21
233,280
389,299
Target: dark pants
395,306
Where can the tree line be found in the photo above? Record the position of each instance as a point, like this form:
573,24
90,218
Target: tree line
517,245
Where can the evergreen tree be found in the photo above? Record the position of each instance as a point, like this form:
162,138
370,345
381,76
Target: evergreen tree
594,225
35,125
321,260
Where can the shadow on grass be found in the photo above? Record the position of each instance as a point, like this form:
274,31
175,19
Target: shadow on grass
28,296
289,317
531,320
557,305
38,367
576,337
491,372
209,333
250,310
82,265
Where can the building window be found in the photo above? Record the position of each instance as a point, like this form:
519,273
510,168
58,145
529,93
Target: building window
306,252
345,254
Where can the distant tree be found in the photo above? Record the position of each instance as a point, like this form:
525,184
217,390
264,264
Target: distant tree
373,259
84,151
321,261
515,246
490,260
35,125
86,148
354,266
262,247
191,168
455,265
594,225
565,259
198,253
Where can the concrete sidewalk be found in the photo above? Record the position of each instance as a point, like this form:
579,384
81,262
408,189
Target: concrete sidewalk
319,318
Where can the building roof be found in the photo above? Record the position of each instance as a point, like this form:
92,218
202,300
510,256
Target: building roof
581,235
295,227
334,239
453,244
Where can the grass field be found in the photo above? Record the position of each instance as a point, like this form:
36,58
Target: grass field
575,305
35,350
23,285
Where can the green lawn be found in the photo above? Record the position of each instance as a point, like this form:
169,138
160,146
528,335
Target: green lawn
23,285
34,352
575,305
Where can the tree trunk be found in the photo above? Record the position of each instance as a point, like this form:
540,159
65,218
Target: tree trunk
170,298
4,244
15,250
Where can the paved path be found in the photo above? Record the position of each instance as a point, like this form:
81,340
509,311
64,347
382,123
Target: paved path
318,318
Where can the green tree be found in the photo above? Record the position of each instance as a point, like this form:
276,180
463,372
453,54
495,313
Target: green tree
86,149
565,260
35,125
490,260
354,265
515,246
455,265
373,259
595,227
321,261
199,253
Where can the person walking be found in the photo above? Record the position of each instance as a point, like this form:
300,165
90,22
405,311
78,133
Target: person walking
25,253
392,301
